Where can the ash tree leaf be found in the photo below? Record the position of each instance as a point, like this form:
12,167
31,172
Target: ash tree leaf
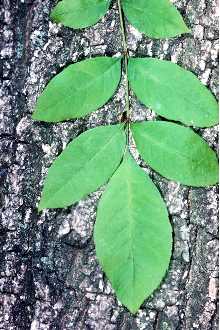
79,89
86,164
157,19
79,14
133,236
176,152
172,92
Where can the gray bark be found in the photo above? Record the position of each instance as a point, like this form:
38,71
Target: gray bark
50,278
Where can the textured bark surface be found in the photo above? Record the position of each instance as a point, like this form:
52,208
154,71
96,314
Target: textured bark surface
49,275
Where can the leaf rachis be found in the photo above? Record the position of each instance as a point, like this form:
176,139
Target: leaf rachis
133,235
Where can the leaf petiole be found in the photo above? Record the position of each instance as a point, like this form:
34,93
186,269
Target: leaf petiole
125,60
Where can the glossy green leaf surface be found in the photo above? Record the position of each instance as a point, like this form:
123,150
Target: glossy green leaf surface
79,14
79,89
172,92
157,19
133,236
86,164
176,152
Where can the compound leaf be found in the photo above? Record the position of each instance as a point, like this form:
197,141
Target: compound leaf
156,19
79,89
172,92
133,236
79,14
86,164
176,152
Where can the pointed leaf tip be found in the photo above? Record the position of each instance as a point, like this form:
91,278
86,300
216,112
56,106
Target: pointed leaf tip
172,92
176,152
133,236
85,165
79,89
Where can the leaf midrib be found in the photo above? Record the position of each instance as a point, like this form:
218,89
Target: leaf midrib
80,89
131,225
173,151
197,102
82,168
164,146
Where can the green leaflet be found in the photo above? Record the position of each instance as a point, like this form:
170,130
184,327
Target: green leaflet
86,164
79,89
79,13
157,19
133,236
176,152
172,92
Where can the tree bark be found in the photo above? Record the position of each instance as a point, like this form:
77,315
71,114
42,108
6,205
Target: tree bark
50,278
